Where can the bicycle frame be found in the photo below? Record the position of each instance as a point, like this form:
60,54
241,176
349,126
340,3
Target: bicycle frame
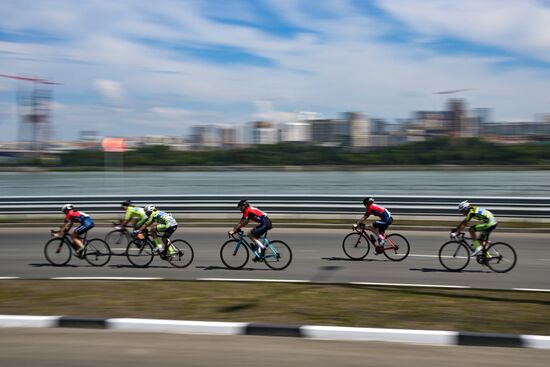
264,240
364,231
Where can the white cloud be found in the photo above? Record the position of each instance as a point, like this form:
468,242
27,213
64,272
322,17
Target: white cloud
339,64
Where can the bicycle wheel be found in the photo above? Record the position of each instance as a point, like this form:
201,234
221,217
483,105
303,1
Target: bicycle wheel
454,256
118,239
502,258
58,252
356,246
234,255
397,247
140,253
278,255
183,256
97,252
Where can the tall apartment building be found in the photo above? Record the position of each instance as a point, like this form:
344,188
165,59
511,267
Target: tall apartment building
264,132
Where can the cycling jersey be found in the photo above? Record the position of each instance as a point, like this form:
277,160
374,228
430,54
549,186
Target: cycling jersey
254,214
162,218
77,217
481,214
135,212
84,219
379,211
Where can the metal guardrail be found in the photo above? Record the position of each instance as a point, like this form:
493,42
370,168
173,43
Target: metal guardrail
280,204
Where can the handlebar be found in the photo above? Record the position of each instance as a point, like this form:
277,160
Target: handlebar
239,232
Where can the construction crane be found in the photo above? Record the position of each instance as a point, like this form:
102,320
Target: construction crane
34,111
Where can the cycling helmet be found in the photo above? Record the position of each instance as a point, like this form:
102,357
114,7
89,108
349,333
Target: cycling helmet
463,206
67,207
149,208
126,203
368,201
242,203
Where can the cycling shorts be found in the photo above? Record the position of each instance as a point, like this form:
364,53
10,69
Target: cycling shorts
382,225
485,229
85,226
264,226
166,229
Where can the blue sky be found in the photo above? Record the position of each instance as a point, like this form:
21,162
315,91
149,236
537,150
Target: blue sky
141,67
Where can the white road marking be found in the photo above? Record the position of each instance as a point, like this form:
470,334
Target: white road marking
107,278
255,280
413,285
8,278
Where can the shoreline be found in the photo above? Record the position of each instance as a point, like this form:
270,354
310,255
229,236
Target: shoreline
287,168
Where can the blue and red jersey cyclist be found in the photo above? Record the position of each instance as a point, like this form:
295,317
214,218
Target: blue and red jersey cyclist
251,213
72,215
378,227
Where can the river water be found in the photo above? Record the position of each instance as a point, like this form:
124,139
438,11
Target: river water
461,183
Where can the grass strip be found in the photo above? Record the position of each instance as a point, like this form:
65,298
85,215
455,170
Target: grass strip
342,305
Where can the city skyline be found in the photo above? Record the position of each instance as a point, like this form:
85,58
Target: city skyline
137,68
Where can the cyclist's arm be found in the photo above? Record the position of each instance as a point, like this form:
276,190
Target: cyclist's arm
241,224
461,226
362,219
146,224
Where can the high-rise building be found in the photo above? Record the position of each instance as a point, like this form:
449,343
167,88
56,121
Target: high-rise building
264,132
329,132
359,130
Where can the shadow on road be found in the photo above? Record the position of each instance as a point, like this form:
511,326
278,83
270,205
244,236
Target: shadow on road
334,258
124,266
432,270
212,267
40,265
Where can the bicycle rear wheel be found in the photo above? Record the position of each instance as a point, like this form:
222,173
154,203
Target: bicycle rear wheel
183,255
58,252
356,246
501,257
140,253
118,239
454,256
97,252
397,247
234,255
278,255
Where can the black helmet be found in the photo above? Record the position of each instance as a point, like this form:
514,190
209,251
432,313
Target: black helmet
126,203
368,201
242,203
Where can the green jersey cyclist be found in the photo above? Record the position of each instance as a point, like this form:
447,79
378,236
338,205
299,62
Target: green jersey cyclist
488,224
132,212
160,222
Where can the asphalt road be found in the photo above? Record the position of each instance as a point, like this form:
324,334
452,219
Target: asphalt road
318,256
69,347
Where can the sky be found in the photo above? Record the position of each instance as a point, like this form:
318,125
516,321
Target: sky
129,68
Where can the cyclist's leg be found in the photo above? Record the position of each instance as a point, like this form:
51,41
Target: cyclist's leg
166,236
258,232
155,229
473,229
79,231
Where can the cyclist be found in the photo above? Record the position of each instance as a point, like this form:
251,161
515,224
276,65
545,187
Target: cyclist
256,215
487,225
378,227
132,212
74,216
159,222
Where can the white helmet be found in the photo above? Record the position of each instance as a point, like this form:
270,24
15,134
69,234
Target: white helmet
149,208
67,207
462,206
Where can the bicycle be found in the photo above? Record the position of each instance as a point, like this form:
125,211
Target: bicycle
120,236
58,251
454,255
140,252
234,253
357,244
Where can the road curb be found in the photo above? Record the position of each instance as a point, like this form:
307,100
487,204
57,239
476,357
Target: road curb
432,337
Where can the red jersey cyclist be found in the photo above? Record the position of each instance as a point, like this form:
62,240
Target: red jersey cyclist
379,227
74,216
256,215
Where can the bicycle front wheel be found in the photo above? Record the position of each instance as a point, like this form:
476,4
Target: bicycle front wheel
139,253
183,255
454,256
118,239
97,252
234,255
58,252
278,255
397,247
500,257
356,246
